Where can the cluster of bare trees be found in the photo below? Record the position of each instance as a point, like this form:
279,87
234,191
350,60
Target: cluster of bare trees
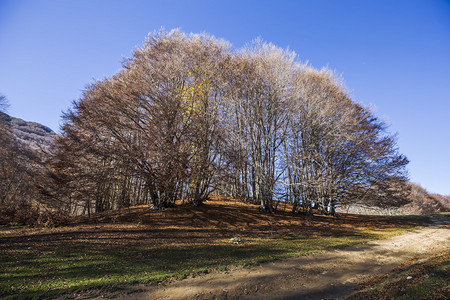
18,165
188,116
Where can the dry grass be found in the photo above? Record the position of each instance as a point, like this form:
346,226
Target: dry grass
132,245
412,280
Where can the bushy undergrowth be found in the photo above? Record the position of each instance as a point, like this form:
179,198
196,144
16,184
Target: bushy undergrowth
29,215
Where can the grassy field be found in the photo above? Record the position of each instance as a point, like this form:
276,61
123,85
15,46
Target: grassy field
413,280
118,248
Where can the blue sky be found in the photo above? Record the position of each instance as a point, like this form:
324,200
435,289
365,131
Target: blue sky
393,55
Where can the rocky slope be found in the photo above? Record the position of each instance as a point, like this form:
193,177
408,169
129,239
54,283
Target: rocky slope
35,136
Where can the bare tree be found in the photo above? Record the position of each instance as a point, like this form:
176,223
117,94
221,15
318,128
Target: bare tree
18,172
259,100
156,122
335,144
186,116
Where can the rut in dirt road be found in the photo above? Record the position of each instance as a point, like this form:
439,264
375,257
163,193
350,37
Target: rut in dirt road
332,274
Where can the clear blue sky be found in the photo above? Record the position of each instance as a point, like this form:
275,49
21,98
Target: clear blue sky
394,55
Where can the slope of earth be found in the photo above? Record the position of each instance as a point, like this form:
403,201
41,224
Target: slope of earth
418,278
329,275
31,134
130,248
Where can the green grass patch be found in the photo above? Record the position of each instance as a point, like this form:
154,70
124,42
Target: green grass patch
418,218
45,263
441,214
425,280
31,270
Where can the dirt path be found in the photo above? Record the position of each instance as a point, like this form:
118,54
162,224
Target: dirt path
332,274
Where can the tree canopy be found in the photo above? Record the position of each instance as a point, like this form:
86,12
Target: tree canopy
188,117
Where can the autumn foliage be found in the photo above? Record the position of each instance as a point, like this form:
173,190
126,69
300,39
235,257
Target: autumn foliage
188,117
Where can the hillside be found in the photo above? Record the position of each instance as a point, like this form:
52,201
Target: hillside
419,202
424,202
31,134
117,249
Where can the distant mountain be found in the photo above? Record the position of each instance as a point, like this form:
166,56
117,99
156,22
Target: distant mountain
34,135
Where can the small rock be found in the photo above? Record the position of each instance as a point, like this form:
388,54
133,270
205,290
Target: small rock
236,240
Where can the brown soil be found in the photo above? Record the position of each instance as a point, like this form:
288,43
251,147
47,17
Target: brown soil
332,274
222,213
215,219
326,275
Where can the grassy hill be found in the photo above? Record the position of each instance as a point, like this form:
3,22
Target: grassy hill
137,245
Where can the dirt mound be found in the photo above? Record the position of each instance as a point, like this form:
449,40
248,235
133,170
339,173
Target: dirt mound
223,213
329,275
123,247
